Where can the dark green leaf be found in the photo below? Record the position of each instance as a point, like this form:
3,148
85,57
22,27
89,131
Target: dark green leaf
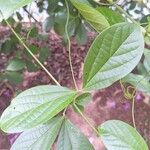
14,77
15,65
114,54
118,135
35,106
48,23
39,138
81,34
44,53
70,138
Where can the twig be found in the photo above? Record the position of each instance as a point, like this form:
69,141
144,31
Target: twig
26,47
85,118
69,46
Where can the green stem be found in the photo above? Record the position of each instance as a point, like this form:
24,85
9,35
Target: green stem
84,117
29,51
133,114
69,46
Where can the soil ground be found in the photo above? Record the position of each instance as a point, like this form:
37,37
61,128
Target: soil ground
105,104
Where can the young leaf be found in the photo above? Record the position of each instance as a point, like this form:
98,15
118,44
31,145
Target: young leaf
114,54
9,6
41,137
70,138
15,65
112,16
138,81
118,135
35,106
91,15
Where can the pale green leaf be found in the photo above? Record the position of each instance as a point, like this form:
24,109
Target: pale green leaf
138,81
113,54
7,7
147,60
70,138
112,16
15,65
83,99
41,137
35,106
91,15
118,135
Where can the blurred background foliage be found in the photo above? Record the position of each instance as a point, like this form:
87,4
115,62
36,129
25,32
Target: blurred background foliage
36,21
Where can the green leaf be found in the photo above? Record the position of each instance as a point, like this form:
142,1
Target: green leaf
81,34
83,99
48,23
91,15
9,6
138,81
113,54
14,77
44,53
118,135
15,65
41,137
112,16
70,138
35,106
147,60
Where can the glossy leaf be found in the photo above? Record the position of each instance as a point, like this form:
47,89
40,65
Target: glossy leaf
118,135
70,138
91,15
138,81
41,137
15,65
35,106
9,6
112,16
113,54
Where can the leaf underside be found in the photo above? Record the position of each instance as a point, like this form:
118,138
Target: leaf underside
118,135
35,106
41,137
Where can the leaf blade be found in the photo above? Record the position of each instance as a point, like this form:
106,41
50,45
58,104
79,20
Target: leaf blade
71,138
91,15
113,54
35,106
33,139
118,135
